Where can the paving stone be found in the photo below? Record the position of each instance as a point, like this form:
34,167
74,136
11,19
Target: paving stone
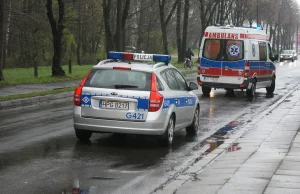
280,184
220,171
209,181
288,172
220,164
235,191
183,177
273,190
290,165
208,176
286,178
203,189
258,182
264,175
242,187
174,185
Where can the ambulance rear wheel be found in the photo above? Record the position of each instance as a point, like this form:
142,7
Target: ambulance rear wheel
251,92
206,91
271,89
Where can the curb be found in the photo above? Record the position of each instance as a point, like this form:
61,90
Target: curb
171,187
10,104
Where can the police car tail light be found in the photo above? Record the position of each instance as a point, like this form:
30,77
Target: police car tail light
246,69
78,90
156,98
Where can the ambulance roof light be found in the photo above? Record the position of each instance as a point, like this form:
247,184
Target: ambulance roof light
139,57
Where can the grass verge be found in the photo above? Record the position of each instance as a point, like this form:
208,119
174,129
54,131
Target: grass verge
188,72
34,94
57,91
18,76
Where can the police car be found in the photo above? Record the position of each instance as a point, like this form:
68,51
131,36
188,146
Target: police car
236,58
135,93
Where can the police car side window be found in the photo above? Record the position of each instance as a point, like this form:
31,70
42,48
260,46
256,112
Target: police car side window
169,78
180,80
160,86
263,51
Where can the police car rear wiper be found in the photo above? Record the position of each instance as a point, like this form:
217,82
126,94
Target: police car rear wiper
125,86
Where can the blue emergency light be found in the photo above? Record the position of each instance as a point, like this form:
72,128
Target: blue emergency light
139,57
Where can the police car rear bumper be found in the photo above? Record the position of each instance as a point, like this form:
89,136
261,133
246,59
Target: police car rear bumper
244,85
153,127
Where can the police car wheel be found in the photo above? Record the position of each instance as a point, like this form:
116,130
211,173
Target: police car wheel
83,135
193,128
251,93
206,91
271,89
167,138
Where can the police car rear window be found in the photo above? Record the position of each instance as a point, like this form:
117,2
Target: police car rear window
223,50
119,79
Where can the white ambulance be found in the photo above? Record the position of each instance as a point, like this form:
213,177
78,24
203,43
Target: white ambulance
236,58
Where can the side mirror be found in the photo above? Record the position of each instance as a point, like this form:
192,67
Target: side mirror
193,86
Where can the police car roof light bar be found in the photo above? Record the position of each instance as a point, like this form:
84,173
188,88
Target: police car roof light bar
139,57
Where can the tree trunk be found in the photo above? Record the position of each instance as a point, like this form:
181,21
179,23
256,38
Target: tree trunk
185,26
222,19
141,26
124,19
164,23
119,25
106,5
79,32
2,4
178,32
57,33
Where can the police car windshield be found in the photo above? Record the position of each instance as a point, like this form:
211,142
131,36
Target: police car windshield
223,50
119,79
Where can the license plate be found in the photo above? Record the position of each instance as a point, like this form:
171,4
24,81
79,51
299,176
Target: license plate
114,105
211,79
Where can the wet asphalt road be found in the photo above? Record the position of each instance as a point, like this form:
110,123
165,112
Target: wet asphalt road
39,152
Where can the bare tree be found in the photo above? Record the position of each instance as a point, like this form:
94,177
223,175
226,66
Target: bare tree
57,34
165,21
2,9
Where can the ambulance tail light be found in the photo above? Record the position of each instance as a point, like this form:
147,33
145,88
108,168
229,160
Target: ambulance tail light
247,70
156,99
78,90
199,70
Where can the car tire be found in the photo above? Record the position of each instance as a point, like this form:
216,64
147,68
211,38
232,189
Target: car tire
280,60
83,135
270,90
206,91
251,92
293,60
193,128
168,136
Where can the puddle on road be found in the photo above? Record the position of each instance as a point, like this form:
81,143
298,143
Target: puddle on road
218,138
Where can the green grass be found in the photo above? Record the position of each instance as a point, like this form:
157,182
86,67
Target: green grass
33,94
188,72
18,76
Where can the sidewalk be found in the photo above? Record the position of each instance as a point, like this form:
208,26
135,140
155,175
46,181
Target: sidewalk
262,157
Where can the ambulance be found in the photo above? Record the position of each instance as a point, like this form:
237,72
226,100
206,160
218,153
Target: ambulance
236,58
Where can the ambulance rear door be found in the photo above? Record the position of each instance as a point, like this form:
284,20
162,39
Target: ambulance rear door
233,61
210,63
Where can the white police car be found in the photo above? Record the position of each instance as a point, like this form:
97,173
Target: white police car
124,95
